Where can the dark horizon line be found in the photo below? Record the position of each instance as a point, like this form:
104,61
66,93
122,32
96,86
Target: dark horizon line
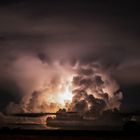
39,114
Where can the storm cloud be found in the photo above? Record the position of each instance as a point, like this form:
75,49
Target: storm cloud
35,34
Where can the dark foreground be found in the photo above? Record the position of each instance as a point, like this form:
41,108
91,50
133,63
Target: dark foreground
16,134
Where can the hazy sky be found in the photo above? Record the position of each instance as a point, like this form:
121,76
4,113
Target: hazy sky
86,31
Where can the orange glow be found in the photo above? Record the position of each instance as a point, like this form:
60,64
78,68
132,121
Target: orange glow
61,94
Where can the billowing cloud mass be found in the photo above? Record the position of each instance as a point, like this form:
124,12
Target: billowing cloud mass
95,91
84,88
66,55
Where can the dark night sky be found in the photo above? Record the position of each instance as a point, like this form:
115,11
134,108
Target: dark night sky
74,30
